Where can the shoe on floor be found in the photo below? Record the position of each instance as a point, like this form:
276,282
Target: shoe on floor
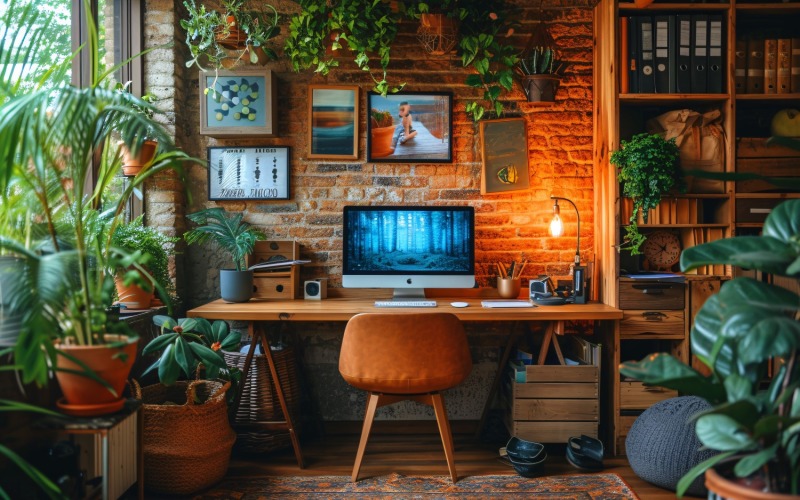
585,453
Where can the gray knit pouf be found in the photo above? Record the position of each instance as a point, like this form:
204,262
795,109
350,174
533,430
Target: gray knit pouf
662,445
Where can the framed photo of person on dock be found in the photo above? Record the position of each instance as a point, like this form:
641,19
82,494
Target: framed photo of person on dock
410,127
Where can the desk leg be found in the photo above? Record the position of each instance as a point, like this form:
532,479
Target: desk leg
512,339
279,390
550,337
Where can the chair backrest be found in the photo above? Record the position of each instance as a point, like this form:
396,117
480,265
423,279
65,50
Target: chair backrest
404,353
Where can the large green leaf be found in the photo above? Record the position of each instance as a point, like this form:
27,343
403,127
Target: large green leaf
184,357
723,433
783,223
764,253
159,343
747,291
699,469
769,337
706,341
751,463
207,356
231,341
664,370
168,369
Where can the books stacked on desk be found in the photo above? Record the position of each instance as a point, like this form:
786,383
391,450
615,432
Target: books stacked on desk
672,53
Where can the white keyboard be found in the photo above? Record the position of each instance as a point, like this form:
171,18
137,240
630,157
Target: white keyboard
405,303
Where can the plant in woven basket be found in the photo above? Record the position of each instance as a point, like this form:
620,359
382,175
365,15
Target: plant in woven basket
649,166
186,343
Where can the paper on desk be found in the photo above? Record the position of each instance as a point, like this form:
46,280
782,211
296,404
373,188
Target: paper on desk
506,303
276,264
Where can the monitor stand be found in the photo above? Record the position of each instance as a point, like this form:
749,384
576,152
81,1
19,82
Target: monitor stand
405,294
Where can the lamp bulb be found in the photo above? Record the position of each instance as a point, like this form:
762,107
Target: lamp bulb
556,227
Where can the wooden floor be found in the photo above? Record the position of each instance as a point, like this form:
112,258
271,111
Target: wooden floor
409,454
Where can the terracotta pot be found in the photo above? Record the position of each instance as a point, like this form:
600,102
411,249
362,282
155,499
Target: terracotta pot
234,38
131,165
541,88
133,296
381,141
721,488
84,396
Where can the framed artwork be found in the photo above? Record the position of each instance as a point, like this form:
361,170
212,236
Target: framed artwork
251,173
504,155
410,127
333,122
238,103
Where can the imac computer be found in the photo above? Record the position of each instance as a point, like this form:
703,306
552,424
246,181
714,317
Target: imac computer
408,248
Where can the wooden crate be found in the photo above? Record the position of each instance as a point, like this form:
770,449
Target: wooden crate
550,403
280,283
754,155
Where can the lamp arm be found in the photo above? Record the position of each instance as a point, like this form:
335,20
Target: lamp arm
578,248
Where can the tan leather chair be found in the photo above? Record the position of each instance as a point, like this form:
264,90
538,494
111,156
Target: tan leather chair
398,357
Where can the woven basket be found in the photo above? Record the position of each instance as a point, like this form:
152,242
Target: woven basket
259,401
187,446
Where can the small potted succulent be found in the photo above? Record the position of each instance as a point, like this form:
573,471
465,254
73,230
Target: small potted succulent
381,132
541,71
231,234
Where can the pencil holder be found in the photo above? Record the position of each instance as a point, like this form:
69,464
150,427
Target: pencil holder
508,288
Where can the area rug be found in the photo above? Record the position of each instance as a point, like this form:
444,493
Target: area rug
396,486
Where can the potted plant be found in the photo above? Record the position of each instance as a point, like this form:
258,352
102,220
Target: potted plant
382,132
48,139
649,166
133,160
366,27
222,39
541,72
231,234
743,333
134,289
186,423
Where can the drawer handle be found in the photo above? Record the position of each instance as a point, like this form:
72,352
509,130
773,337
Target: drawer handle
653,316
760,210
653,288
652,389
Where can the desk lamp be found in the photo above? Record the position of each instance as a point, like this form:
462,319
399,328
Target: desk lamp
579,272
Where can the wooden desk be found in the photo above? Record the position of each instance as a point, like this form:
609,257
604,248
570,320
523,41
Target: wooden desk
265,313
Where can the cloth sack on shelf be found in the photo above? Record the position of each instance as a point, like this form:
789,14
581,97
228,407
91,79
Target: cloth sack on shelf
701,141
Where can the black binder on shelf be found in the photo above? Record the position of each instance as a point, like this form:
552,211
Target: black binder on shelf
633,54
647,77
665,54
755,66
740,65
699,53
684,54
715,59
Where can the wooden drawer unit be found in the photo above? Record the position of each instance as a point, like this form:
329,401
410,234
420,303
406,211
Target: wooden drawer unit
280,283
650,295
550,403
636,396
276,286
754,209
666,324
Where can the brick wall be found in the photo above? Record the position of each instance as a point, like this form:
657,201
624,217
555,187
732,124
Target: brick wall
507,225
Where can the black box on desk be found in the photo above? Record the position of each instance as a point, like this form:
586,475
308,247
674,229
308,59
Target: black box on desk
276,283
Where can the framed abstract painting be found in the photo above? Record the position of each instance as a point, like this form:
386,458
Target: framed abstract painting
504,155
238,103
333,122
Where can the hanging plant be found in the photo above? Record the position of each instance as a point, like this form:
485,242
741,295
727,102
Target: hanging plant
649,166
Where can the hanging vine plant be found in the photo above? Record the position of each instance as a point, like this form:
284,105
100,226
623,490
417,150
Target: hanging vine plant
366,27
649,166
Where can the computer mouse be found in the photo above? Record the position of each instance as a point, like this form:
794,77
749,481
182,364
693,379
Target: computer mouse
459,304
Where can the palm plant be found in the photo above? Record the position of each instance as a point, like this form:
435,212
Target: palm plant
228,231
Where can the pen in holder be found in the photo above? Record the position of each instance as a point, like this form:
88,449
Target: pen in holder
508,288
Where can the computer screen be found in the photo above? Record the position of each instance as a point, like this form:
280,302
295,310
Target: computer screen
408,248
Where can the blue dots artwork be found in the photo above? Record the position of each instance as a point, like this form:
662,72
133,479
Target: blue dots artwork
236,101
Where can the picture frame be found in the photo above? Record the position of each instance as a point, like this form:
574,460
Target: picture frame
333,115
248,173
430,119
504,155
238,103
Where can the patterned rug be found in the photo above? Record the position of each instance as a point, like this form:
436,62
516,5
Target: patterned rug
395,486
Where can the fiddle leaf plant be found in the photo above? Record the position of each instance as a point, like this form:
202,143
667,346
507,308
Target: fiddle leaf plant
649,166
187,342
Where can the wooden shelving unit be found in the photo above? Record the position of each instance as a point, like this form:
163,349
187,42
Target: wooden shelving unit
619,116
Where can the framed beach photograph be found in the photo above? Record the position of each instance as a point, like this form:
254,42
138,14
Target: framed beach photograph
504,155
410,127
333,122
248,173
238,103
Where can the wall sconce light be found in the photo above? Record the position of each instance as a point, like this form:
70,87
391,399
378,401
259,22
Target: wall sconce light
579,272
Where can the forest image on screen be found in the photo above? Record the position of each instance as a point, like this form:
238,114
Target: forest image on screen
409,241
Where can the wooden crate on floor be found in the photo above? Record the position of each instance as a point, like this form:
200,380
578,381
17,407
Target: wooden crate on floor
550,403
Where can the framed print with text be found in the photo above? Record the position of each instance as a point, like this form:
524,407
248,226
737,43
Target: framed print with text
504,154
248,173
410,127
333,122
238,103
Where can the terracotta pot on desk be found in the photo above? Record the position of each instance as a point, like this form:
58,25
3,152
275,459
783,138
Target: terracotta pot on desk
509,288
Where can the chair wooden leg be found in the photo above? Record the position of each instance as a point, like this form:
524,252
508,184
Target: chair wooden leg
444,432
372,405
